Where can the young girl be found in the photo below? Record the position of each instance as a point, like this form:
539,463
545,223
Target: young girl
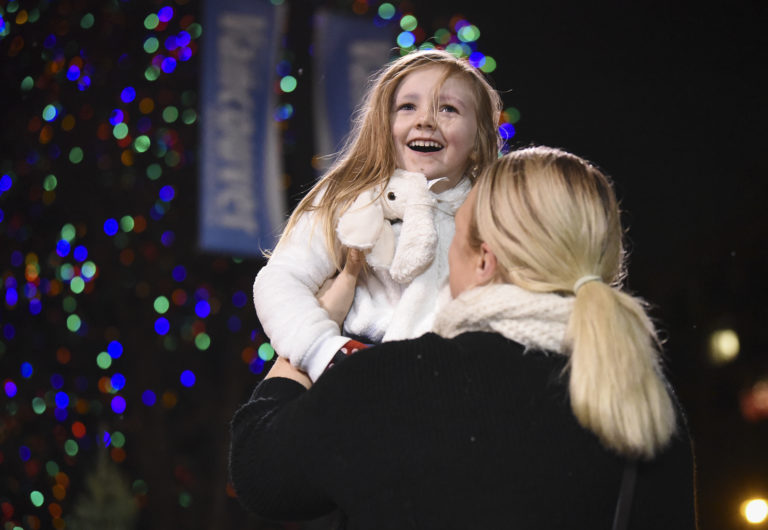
426,112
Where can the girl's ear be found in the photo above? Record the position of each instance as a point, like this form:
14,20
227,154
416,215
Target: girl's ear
486,265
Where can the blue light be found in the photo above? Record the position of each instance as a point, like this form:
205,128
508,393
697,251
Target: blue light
11,296
35,306
80,253
188,378
110,227
168,65
10,389
234,324
73,72
167,193
118,381
57,381
63,247
26,370
171,43
183,38
5,183
128,94
114,349
162,326
118,404
239,299
165,14
9,331
506,131
117,116
179,273
17,258
25,453
406,39
168,238
148,398
62,400
477,59
202,308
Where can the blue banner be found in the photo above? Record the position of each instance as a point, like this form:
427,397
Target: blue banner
242,205
346,51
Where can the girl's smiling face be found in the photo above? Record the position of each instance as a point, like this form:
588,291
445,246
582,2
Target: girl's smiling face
434,139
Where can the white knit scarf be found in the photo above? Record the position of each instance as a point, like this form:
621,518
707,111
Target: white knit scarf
538,321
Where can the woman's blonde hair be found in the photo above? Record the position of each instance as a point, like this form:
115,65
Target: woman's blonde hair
551,218
367,158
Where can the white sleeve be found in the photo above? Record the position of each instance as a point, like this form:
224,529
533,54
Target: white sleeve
286,305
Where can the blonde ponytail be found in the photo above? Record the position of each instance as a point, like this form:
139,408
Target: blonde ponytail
616,388
553,223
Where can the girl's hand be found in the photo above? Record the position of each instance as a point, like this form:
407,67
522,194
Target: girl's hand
337,294
284,368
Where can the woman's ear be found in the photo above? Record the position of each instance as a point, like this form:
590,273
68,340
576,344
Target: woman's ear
486,265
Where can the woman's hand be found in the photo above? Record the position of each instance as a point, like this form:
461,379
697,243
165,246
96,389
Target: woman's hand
284,368
337,294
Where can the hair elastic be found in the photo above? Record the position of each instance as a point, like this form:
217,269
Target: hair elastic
585,279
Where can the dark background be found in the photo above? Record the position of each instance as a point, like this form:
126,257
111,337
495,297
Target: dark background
668,99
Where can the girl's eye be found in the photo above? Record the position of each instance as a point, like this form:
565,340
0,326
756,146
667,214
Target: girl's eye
448,108
406,106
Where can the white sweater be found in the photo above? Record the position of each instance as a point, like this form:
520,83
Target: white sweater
383,310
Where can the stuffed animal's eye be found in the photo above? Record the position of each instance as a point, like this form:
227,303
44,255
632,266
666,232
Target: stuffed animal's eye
391,196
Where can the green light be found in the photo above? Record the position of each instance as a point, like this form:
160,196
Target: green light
161,304
50,182
27,83
490,65
88,269
513,115
151,45
152,73
87,21
154,171
71,447
266,352
142,143
151,21
66,272
189,116
185,499
37,498
12,6
172,159
73,323
34,16
455,49
68,232
38,405
442,36
49,112
195,30
126,223
469,34
120,131
77,285
427,46
386,11
409,23
139,487
202,341
104,360
288,84
170,114
118,439
69,304
52,468
76,155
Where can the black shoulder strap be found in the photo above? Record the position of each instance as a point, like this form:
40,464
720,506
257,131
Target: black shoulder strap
626,492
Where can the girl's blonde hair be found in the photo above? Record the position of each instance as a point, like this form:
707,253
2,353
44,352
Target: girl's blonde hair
367,158
551,219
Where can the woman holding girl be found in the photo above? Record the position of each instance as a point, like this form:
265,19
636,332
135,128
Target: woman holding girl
539,400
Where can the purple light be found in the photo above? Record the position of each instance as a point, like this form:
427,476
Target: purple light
183,38
11,296
5,183
162,326
73,72
84,82
202,308
506,131
128,94
35,306
63,247
179,273
118,404
9,331
110,227
239,299
57,381
168,238
283,68
114,349
17,258
185,54
60,414
148,398
144,125
107,439
171,43
50,41
165,14
477,59
10,388
187,378
234,324
25,453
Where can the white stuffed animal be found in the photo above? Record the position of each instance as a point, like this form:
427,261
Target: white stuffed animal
366,225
